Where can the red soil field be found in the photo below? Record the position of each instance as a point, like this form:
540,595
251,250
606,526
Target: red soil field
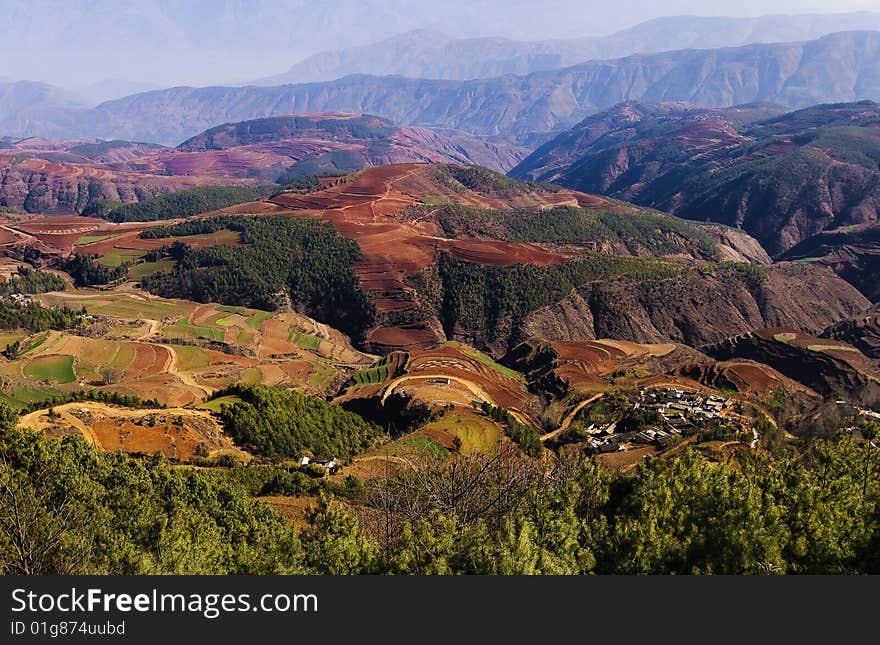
405,338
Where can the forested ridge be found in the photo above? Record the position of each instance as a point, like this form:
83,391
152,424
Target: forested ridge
491,302
303,259
184,203
29,281
655,232
281,423
33,317
81,511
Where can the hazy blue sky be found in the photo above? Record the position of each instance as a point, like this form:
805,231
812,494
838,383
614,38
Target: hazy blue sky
77,42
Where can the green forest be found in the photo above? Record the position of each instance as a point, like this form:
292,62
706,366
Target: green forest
184,203
87,271
279,423
81,511
658,233
29,281
279,257
34,317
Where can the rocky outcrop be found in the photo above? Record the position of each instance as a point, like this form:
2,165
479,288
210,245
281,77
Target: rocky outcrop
698,309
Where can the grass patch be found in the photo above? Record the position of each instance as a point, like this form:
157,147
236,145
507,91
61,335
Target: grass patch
191,358
436,200
424,445
183,328
214,239
117,257
485,360
22,396
34,344
8,339
51,368
121,306
477,434
322,377
252,376
144,269
303,340
88,239
258,319
831,348
214,405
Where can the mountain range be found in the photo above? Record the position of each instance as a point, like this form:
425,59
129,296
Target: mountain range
521,109
430,54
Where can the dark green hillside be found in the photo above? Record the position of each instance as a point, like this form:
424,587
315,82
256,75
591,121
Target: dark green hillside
648,231
279,258
487,305
284,127
185,203
27,280
280,423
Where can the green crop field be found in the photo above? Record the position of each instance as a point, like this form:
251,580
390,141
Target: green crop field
424,445
116,304
185,329
35,343
21,396
369,375
476,433
191,358
322,377
252,376
214,405
88,239
485,360
306,341
144,269
116,257
215,239
58,369
257,319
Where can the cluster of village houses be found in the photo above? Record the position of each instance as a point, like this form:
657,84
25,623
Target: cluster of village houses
681,413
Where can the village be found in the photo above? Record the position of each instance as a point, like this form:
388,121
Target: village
662,417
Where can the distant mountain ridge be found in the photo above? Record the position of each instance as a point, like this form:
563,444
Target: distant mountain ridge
429,54
839,67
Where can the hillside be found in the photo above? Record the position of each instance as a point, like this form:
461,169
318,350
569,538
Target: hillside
831,368
460,253
861,331
837,67
341,142
853,252
782,177
40,175
35,185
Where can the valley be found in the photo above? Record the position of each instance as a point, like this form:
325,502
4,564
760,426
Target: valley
452,352
441,303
